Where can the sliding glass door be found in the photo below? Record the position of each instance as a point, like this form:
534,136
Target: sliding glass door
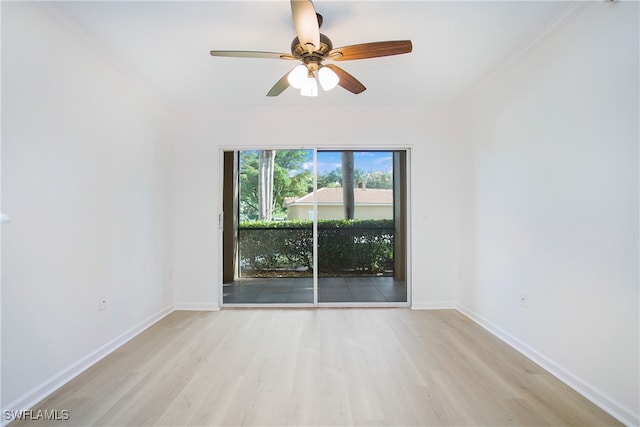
314,227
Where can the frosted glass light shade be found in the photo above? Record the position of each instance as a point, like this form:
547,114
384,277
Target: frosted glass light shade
310,86
297,76
328,78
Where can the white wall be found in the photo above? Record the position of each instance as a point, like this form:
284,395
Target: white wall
555,200
84,155
197,187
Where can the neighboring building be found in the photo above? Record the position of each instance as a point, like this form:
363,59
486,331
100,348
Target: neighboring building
370,203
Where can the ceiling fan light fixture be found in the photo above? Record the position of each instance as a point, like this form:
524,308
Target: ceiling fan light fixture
297,76
311,48
310,86
328,78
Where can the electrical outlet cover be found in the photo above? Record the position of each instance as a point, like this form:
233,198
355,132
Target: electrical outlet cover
102,302
524,299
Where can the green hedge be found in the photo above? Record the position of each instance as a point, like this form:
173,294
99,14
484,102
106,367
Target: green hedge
344,246
272,245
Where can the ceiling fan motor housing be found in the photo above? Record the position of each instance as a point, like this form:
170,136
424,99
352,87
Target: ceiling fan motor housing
311,60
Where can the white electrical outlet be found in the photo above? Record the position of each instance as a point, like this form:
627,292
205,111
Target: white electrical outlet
102,302
524,299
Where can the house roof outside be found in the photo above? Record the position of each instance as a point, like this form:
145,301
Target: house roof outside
333,196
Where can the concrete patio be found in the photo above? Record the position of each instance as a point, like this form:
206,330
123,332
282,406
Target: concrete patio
299,290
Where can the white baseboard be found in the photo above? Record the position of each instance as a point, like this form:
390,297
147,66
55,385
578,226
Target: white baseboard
195,306
433,305
596,396
31,398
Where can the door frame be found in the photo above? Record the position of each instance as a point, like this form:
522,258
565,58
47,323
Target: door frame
315,148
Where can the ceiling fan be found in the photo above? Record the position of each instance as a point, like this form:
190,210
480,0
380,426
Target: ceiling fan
312,48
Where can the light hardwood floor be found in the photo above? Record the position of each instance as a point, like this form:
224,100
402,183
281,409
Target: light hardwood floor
275,367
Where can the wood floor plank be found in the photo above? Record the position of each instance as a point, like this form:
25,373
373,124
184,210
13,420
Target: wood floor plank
312,367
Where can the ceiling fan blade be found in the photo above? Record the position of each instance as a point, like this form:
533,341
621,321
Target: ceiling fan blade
347,81
370,50
306,24
251,54
280,86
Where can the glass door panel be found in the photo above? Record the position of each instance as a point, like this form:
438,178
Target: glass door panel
269,257
360,205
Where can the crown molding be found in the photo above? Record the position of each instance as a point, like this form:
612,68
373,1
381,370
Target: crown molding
564,17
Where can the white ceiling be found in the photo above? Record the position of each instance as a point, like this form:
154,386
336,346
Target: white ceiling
456,45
